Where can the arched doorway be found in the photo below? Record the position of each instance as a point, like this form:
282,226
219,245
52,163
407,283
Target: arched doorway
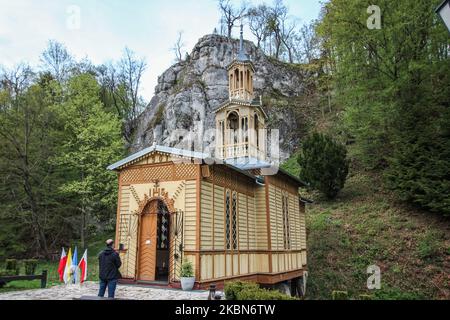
154,242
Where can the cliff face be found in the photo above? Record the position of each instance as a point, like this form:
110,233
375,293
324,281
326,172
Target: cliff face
189,91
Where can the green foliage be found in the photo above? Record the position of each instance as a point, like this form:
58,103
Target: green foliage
12,266
247,290
323,164
429,245
6,272
339,295
261,294
30,266
291,165
397,294
232,288
187,270
393,86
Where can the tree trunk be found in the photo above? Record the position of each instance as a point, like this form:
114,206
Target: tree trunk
83,226
39,234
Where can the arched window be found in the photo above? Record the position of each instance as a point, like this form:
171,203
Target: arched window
286,229
227,220
233,126
257,130
231,236
244,126
234,221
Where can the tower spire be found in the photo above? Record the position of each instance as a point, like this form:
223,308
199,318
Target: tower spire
242,55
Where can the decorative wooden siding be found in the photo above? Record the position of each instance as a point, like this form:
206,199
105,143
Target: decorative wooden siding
190,215
242,222
127,233
219,224
303,233
261,218
206,217
252,237
282,262
295,223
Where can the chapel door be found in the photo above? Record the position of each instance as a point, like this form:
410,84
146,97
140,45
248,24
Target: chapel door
147,242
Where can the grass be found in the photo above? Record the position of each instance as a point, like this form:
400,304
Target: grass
95,245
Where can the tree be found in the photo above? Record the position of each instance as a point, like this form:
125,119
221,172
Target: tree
92,140
27,142
121,85
230,14
323,164
179,46
393,87
275,22
258,17
57,60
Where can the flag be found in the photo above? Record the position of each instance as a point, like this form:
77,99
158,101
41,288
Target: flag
67,270
83,267
62,265
75,265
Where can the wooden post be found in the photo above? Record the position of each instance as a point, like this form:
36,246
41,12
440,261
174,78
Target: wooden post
44,279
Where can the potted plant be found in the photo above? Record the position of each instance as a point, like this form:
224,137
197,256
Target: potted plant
187,276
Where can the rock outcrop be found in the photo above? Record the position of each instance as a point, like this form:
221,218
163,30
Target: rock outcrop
189,91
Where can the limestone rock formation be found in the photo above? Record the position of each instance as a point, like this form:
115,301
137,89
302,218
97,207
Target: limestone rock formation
189,91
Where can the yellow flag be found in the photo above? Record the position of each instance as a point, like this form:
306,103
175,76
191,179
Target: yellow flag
68,270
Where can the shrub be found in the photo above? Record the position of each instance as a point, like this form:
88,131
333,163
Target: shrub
12,265
5,272
339,295
187,270
232,288
262,294
30,266
323,164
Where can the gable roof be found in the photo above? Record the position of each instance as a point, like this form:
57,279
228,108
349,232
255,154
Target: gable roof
144,152
241,165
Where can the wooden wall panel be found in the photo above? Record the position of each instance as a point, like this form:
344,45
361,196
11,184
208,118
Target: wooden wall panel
294,219
303,227
228,265
242,222
235,264
206,216
219,220
252,237
243,264
260,217
206,266
190,215
219,266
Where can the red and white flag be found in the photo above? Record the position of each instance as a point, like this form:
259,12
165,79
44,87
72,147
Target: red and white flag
83,267
62,265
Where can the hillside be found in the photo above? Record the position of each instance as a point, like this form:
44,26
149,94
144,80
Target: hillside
366,225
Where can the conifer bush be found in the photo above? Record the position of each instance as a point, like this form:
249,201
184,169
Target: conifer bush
323,164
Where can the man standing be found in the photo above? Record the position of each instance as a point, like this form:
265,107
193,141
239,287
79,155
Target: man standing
109,264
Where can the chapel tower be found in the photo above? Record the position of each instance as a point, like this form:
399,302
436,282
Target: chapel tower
240,121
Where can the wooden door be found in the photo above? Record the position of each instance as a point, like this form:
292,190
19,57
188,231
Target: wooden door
147,242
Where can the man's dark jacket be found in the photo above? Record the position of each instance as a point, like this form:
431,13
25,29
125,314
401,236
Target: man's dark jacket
109,264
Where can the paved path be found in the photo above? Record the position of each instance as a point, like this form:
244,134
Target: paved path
63,292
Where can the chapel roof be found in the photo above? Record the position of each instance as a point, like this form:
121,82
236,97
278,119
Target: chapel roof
241,165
